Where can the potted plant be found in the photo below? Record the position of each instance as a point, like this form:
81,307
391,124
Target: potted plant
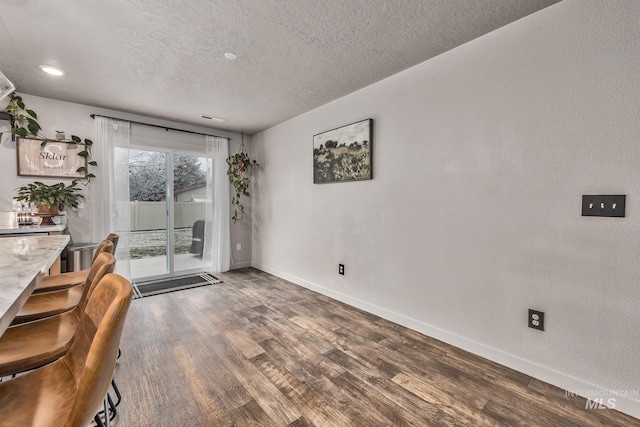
49,199
24,123
239,173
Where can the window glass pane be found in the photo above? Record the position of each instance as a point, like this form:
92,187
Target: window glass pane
147,192
189,190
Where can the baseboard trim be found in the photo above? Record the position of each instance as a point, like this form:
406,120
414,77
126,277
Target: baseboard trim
623,404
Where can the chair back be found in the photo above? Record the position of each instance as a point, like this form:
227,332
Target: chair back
113,238
104,246
92,356
103,265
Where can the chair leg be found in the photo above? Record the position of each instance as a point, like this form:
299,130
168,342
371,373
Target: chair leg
113,411
98,421
117,391
107,418
109,407
98,418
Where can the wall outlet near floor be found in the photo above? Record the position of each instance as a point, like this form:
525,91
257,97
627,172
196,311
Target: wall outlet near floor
341,269
536,319
238,246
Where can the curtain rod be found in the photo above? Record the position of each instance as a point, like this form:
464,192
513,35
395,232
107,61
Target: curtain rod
93,116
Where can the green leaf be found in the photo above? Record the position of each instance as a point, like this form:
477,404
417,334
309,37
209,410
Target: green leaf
81,169
21,132
83,153
20,103
76,139
88,142
33,128
32,114
91,175
43,143
93,163
11,107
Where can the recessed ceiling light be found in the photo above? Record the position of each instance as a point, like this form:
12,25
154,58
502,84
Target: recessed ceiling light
217,119
231,56
50,69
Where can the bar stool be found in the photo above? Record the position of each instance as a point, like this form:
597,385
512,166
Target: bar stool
46,304
71,390
66,280
33,344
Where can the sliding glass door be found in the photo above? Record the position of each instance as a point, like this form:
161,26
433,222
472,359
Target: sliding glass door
149,241
189,204
168,204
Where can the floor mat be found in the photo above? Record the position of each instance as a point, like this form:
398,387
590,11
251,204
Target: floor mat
156,287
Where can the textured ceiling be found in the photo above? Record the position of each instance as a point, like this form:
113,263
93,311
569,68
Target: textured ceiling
164,58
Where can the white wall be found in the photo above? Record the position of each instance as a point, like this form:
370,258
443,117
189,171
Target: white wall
74,119
481,156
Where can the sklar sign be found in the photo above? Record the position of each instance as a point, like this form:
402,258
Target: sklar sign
53,159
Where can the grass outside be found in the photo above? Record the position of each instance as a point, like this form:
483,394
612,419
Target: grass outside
147,244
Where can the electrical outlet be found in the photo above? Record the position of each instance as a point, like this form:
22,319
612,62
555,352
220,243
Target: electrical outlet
238,247
536,319
603,205
341,269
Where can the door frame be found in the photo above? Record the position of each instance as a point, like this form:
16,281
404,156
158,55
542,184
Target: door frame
170,210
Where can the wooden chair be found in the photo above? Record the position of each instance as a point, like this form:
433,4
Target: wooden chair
33,344
70,391
47,304
56,282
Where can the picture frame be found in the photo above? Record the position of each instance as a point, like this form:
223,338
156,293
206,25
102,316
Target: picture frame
53,159
344,154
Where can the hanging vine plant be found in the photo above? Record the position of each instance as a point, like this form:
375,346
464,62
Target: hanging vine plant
25,124
239,173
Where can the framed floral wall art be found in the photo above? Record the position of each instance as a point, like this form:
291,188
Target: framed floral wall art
343,154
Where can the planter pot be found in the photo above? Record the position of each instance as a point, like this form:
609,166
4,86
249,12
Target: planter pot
47,214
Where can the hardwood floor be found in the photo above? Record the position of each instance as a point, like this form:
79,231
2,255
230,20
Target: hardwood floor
259,351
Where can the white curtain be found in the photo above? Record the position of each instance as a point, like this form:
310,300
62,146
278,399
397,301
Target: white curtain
217,241
109,195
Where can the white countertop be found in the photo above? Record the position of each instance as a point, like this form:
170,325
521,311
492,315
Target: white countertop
24,229
9,224
23,260
28,229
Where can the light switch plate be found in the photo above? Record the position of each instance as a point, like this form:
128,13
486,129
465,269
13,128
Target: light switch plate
604,205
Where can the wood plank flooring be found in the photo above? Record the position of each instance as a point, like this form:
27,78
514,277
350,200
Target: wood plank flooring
257,350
